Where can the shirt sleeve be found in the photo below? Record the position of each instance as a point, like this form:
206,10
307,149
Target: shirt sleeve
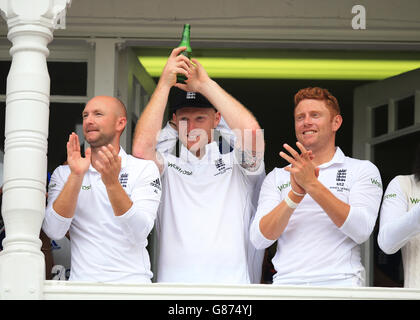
364,200
138,221
269,198
167,139
397,224
54,225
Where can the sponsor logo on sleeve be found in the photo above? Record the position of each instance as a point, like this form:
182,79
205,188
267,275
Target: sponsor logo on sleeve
283,186
414,200
376,182
156,184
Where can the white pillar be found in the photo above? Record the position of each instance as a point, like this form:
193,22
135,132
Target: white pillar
30,29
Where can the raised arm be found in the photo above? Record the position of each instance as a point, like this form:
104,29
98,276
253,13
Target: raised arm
249,135
65,204
150,122
398,223
63,191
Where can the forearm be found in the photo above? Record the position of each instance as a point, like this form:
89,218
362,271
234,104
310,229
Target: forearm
65,204
149,124
398,227
119,199
336,209
235,114
250,137
275,222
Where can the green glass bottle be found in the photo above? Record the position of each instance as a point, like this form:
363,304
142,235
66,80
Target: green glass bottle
185,42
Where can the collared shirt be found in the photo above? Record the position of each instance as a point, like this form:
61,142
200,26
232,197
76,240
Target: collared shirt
400,215
203,222
400,225
312,249
105,247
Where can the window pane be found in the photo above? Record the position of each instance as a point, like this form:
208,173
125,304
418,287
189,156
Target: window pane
380,120
68,78
405,112
63,120
2,124
4,71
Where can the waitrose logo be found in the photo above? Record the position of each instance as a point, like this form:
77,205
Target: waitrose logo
374,181
180,170
414,200
283,186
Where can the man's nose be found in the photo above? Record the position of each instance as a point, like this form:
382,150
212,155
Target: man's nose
307,121
88,119
191,126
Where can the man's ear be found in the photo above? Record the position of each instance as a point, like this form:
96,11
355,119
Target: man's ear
217,119
337,121
121,123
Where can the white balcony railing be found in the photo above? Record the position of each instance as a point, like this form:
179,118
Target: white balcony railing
58,290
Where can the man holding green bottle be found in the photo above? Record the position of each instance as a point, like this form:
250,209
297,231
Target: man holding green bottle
208,198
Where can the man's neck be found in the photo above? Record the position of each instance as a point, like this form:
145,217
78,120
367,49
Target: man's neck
95,153
199,153
324,155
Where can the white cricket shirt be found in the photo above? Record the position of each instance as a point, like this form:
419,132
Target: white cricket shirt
203,222
400,225
312,249
105,247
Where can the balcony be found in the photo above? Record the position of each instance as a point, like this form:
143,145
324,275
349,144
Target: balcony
69,290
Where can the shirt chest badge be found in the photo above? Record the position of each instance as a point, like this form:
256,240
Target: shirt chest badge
124,179
221,166
340,180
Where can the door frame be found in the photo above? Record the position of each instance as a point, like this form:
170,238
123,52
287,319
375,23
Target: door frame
366,99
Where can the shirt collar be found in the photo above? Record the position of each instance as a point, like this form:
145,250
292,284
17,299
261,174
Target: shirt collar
123,156
338,157
212,152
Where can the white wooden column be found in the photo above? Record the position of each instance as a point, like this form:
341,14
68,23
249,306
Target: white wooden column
30,29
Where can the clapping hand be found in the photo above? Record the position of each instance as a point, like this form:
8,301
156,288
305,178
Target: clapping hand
108,165
302,171
78,165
